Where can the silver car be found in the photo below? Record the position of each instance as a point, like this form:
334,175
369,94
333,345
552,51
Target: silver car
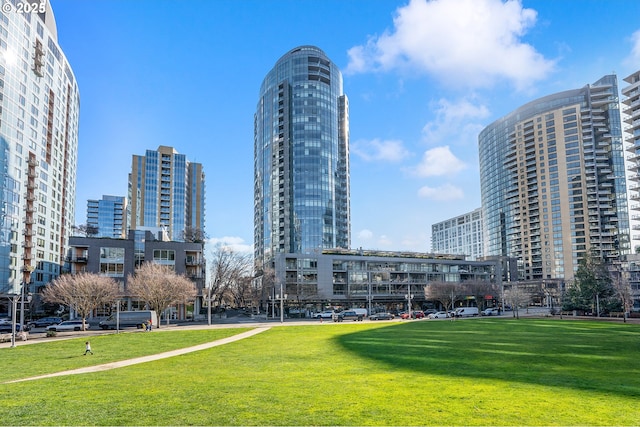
68,325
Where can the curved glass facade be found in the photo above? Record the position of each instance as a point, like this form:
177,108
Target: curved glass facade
301,163
553,182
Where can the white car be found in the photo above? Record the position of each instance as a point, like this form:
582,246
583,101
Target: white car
438,315
491,312
68,325
328,314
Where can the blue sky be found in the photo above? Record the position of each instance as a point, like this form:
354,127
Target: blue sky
423,78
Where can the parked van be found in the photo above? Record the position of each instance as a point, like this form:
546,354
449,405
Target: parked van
129,319
466,311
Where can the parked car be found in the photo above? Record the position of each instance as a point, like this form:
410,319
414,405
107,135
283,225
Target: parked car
348,315
439,315
68,325
44,322
327,314
490,311
415,314
5,328
381,316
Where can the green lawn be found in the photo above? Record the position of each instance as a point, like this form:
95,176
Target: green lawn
471,372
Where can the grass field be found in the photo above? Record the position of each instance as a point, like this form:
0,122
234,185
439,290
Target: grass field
471,372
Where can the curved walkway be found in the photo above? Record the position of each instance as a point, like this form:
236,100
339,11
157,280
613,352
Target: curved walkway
144,359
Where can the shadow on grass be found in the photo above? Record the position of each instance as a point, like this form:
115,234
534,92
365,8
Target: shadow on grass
583,355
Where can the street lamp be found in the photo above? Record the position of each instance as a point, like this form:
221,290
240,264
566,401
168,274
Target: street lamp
409,297
15,298
209,306
281,296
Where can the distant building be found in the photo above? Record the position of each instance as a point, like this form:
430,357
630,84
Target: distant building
461,235
377,280
108,216
553,182
168,191
39,109
118,258
301,158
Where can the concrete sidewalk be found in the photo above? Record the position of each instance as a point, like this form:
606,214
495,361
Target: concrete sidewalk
144,359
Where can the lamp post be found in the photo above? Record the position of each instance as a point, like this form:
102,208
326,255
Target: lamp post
14,312
209,306
409,297
282,297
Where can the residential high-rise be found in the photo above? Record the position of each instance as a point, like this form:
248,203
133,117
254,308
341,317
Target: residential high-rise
108,216
631,102
461,235
553,182
166,191
39,110
301,158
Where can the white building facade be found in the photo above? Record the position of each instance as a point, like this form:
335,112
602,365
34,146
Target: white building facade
39,106
461,235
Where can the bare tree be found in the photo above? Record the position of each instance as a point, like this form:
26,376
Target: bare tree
193,234
229,269
82,292
622,290
85,230
160,287
447,293
518,297
480,289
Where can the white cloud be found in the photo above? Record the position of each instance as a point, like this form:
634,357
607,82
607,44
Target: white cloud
443,193
461,42
439,161
237,244
365,234
456,120
376,150
634,56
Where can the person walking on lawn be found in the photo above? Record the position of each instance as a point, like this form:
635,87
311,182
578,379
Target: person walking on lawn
87,348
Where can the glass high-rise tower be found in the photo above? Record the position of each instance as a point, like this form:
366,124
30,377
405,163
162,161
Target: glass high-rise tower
553,182
39,112
301,157
108,216
167,192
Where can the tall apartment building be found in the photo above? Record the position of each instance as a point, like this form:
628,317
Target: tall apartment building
301,158
166,191
461,235
108,216
553,182
631,117
39,110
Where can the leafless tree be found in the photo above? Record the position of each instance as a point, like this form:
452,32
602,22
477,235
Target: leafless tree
193,234
82,292
518,297
480,289
622,290
160,287
85,230
229,272
447,293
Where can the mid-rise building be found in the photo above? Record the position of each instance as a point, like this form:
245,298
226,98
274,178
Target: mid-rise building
461,235
118,259
376,280
166,190
108,216
39,111
553,182
301,158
